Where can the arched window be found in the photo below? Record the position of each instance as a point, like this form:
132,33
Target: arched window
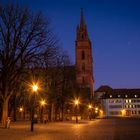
83,55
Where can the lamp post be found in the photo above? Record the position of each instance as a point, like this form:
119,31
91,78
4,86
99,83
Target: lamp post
42,103
96,110
34,88
76,102
90,110
21,111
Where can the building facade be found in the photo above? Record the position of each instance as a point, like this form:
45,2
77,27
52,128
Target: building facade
120,102
84,62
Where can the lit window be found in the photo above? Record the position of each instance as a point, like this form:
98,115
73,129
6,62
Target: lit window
133,106
126,106
129,101
130,106
126,101
135,96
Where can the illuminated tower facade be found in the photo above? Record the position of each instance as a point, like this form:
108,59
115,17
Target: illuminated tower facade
84,62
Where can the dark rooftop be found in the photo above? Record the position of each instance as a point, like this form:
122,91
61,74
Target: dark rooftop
118,93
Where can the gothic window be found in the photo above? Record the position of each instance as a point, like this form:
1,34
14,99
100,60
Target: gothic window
83,55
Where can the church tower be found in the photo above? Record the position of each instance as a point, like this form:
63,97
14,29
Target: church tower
84,62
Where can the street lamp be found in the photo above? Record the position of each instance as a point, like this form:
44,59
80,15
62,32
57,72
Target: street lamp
20,109
89,106
76,102
34,88
101,113
21,112
42,103
96,110
123,112
90,110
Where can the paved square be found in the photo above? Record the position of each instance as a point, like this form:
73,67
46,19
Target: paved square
98,129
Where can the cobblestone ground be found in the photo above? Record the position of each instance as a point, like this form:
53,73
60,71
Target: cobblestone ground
100,129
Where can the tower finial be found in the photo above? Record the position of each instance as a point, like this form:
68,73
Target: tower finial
82,22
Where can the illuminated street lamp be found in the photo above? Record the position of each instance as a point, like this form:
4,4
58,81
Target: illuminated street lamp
34,88
42,103
89,106
123,112
21,112
21,109
101,112
76,102
96,109
90,110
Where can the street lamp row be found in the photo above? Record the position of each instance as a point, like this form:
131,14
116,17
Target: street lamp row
35,89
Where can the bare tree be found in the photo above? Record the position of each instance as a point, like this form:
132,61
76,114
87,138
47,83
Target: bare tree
60,79
24,35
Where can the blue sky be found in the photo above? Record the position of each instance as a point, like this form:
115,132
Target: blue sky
114,29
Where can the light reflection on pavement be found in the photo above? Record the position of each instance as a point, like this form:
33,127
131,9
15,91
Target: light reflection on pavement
101,129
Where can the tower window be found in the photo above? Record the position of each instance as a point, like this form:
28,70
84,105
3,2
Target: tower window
83,55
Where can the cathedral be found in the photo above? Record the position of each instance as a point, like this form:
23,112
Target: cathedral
84,61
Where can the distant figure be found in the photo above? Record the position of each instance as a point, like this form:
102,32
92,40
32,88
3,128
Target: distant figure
8,122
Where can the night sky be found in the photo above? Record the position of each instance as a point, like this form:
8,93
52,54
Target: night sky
114,29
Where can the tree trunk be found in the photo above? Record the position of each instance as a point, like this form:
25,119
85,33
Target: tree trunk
52,112
49,113
62,113
41,115
14,110
5,112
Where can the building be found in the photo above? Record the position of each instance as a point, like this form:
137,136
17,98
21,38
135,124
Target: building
84,62
119,102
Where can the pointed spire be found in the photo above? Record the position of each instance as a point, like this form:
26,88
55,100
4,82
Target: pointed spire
82,22
82,33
